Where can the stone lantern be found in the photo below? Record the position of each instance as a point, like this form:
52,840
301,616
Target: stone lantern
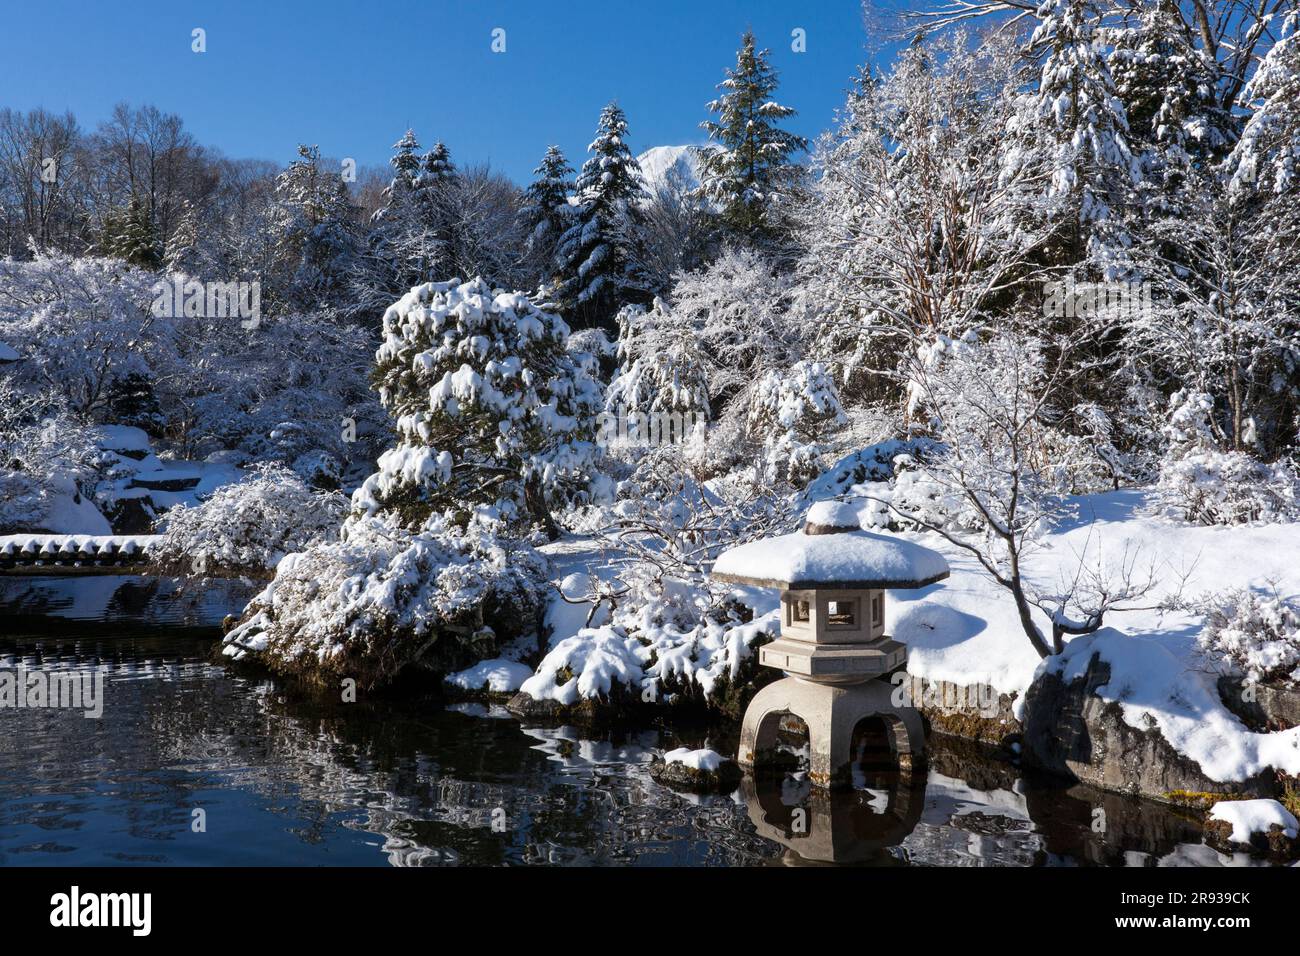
833,647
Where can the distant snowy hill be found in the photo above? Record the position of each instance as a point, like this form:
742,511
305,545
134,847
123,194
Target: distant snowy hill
658,162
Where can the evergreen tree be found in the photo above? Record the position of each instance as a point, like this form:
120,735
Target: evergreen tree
181,251
751,166
1073,130
1168,87
316,239
489,405
546,211
599,264
438,187
1266,161
129,235
403,247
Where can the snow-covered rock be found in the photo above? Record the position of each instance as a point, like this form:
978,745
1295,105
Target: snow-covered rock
1259,825
697,771
496,676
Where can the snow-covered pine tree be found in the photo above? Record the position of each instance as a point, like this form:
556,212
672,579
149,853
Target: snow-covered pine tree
751,169
1168,86
546,211
1266,160
491,409
437,186
316,233
1074,126
128,234
599,268
181,251
403,248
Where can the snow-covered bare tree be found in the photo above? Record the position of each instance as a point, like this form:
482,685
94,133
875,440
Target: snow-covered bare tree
987,488
911,226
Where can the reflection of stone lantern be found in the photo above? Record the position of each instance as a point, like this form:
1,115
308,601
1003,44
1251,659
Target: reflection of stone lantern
832,577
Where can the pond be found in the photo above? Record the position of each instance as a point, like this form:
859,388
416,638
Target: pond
194,764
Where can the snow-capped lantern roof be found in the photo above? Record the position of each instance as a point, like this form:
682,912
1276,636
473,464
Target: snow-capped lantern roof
831,551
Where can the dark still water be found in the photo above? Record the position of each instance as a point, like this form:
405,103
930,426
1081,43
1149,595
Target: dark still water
192,764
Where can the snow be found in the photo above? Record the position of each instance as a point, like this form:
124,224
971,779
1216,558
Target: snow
8,353
85,544
1254,816
1153,686
122,438
967,630
848,559
74,513
659,162
500,676
833,514
705,760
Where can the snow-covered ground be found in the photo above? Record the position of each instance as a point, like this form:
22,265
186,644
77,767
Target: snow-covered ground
966,630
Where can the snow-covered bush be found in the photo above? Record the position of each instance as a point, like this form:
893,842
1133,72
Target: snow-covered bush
47,462
385,598
661,365
667,633
1255,635
249,525
1228,487
1201,483
490,408
791,412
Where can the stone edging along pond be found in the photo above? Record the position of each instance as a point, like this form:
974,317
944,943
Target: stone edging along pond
1064,728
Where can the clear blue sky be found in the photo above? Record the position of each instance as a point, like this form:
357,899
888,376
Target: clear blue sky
352,76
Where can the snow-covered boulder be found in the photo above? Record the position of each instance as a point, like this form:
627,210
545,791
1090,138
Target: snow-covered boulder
696,771
496,676
1261,826
1121,712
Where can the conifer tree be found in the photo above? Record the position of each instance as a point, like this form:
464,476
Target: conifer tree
1073,130
599,265
403,248
317,239
129,235
546,211
751,167
437,187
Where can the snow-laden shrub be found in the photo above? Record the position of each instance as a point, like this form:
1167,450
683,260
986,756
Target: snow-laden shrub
249,525
666,633
661,367
385,598
490,407
47,461
791,412
667,642
1201,483
1218,487
1253,634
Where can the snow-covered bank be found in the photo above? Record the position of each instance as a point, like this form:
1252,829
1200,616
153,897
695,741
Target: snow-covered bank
965,631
